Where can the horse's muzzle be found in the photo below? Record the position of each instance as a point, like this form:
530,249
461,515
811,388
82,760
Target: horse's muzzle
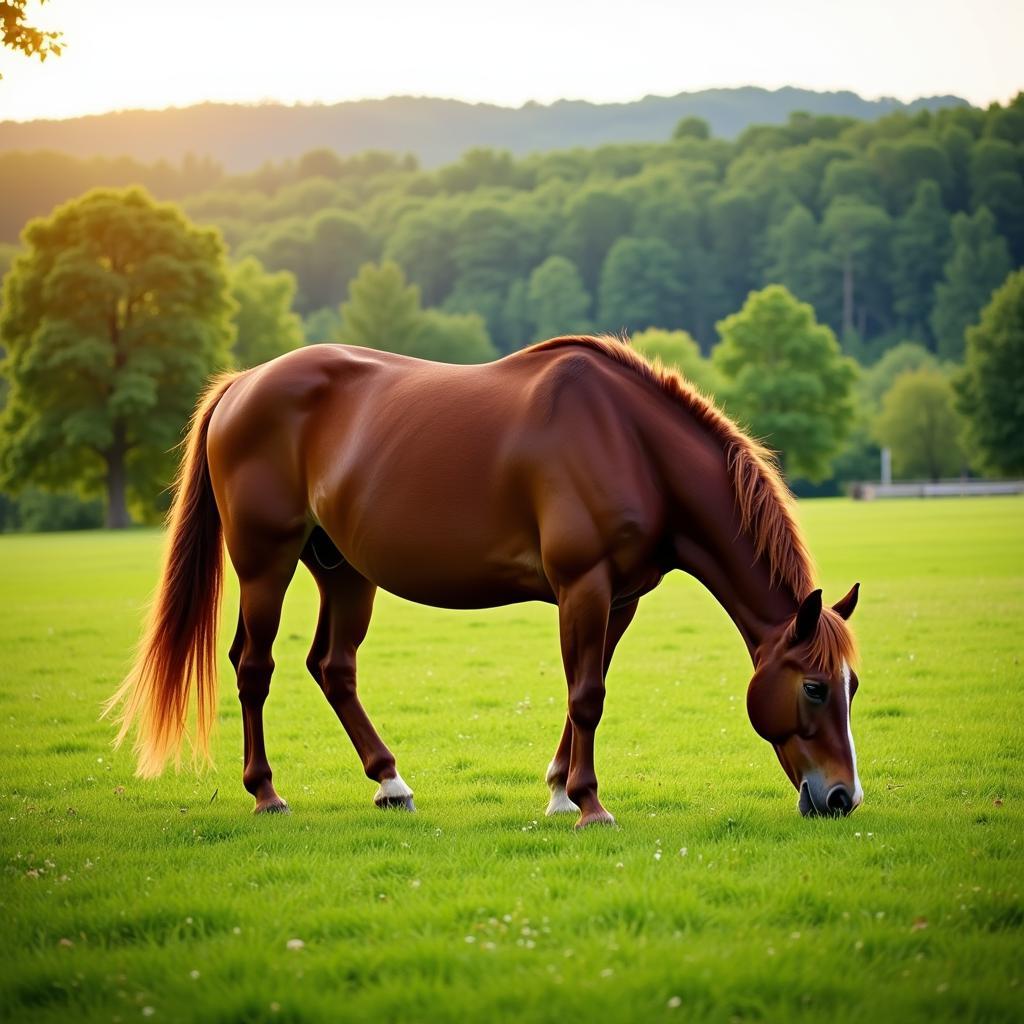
836,803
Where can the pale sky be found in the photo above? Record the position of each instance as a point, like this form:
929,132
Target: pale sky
145,53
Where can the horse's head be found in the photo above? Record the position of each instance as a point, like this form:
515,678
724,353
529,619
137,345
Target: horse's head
799,700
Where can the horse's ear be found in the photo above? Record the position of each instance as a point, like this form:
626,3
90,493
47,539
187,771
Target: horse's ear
844,606
806,618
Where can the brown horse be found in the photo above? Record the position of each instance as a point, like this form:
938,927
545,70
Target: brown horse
572,472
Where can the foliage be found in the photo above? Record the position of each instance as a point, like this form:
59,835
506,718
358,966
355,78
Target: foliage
39,511
678,351
324,253
876,380
20,36
322,326
786,379
557,301
113,317
265,325
991,387
978,264
640,286
919,424
384,313
452,338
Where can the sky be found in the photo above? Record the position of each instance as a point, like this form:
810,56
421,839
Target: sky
149,53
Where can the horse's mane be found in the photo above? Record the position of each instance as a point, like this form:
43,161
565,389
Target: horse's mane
763,501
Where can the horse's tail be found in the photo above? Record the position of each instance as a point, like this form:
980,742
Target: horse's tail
178,649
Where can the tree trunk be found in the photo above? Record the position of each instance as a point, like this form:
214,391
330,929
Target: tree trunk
847,296
117,506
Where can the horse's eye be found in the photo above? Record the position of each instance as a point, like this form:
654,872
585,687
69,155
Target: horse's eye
816,692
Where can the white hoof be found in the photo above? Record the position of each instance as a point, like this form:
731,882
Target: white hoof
560,802
394,793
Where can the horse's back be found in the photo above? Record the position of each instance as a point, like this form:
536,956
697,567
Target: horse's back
436,480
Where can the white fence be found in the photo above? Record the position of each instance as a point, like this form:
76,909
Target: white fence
935,489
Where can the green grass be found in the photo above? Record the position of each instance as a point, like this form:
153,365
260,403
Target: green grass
124,900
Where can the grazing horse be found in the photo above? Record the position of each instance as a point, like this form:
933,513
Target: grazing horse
573,472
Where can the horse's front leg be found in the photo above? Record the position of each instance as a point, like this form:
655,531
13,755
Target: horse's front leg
558,771
583,610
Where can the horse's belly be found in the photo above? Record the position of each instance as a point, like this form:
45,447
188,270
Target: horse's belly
454,578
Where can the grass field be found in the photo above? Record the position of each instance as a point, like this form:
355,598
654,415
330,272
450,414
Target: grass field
713,900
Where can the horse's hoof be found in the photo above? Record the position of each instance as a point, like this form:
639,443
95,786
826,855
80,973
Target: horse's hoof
560,803
394,793
400,803
601,817
275,806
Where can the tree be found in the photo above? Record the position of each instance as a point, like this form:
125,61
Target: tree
421,245
265,325
556,299
692,128
453,338
920,246
324,253
113,317
20,36
786,378
322,327
382,311
878,379
678,351
919,424
990,384
857,234
796,259
976,267
594,220
640,285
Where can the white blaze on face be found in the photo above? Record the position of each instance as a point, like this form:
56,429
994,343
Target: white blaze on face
858,792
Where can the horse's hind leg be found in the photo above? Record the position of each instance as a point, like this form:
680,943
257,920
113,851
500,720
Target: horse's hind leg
558,771
346,604
264,572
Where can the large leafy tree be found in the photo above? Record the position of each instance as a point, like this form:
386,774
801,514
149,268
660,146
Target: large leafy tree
113,317
919,424
557,301
265,325
977,266
990,387
787,380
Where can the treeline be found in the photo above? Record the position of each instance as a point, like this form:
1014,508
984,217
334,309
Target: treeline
892,236
895,229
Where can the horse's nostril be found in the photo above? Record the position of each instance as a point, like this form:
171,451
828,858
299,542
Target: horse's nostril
839,801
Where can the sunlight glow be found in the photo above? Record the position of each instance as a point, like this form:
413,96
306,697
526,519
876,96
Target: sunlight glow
141,53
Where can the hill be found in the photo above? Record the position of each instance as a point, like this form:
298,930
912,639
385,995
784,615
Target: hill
437,131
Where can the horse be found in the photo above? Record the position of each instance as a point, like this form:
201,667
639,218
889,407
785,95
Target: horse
573,472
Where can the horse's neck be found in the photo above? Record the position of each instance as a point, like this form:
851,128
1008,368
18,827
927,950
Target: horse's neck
707,538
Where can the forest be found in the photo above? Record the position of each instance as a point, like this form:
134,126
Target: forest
893,234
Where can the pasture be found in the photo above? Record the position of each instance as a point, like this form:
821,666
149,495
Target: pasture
124,900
